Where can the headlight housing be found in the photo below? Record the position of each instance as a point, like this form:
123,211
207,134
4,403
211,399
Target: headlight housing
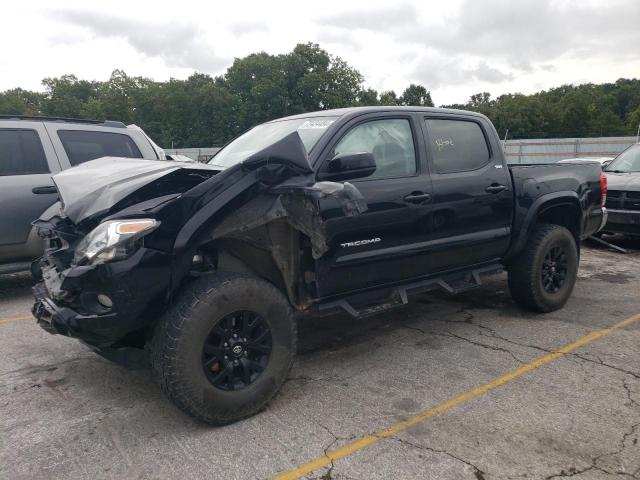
113,240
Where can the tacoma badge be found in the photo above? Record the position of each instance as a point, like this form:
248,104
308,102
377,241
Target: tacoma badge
357,243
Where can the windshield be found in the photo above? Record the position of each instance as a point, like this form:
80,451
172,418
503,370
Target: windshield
627,162
310,130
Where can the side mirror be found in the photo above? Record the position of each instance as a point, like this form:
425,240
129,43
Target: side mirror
606,163
345,166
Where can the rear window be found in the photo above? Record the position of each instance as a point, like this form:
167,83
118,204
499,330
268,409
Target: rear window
457,146
21,153
82,146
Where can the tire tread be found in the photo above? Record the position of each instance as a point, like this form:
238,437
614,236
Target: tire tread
523,277
164,342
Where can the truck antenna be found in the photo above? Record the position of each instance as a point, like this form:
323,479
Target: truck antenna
638,134
504,142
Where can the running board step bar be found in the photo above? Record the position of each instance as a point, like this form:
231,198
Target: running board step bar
399,296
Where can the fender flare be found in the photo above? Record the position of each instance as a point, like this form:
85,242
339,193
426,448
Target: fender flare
565,197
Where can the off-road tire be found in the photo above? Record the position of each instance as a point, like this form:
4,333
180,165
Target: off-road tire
177,344
525,272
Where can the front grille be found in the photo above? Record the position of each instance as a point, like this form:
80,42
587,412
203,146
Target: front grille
613,199
621,200
632,202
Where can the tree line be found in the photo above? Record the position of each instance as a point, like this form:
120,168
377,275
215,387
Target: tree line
588,110
206,111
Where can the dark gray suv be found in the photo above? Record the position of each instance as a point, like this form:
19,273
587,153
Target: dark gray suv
34,148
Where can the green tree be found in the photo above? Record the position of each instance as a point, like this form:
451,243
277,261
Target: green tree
389,98
65,96
205,111
416,95
368,97
21,102
633,122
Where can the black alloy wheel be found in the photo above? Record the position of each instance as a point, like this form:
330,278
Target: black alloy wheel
543,274
554,269
237,350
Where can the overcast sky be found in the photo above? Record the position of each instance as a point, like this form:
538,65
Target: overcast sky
454,47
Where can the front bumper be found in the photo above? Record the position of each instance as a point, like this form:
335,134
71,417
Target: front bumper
623,221
65,302
57,319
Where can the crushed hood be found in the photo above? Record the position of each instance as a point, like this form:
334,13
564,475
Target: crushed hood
96,186
187,196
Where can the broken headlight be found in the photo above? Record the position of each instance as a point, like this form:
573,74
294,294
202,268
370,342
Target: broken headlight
113,240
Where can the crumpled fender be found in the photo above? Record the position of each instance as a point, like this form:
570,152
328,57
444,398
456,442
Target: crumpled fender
299,205
277,182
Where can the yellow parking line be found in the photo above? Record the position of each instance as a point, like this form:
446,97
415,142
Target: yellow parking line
369,440
15,319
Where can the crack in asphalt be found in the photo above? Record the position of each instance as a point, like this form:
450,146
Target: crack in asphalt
632,401
479,474
450,334
328,474
608,365
570,472
492,333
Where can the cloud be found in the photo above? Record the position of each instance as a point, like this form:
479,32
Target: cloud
485,73
339,36
178,44
377,20
247,28
436,71
520,33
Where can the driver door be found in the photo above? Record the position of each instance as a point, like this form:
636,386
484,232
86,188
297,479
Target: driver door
382,245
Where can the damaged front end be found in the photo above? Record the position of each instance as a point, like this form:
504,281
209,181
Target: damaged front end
261,216
99,302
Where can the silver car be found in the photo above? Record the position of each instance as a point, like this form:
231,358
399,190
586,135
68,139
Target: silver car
34,148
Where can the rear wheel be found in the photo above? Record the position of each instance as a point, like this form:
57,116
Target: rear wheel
543,275
226,347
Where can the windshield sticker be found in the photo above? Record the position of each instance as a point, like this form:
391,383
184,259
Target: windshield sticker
444,142
315,124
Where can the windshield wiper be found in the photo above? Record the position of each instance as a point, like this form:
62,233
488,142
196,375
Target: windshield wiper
617,171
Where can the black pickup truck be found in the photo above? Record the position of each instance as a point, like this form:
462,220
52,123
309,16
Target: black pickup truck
203,269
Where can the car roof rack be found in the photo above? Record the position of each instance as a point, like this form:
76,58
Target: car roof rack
106,123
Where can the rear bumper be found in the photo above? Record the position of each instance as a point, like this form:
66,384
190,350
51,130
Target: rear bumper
605,217
595,221
623,221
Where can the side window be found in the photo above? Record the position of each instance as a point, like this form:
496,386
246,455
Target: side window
456,145
82,146
21,153
391,143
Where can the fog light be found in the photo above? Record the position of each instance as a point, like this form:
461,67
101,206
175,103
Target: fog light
105,301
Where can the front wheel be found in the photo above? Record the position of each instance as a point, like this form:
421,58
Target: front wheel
543,275
226,347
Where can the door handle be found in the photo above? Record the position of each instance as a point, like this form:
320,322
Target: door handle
44,190
417,197
494,188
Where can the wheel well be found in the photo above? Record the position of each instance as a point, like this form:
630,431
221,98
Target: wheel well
275,252
564,214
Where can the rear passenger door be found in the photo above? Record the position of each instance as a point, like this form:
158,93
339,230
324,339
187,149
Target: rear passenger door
472,192
27,162
76,144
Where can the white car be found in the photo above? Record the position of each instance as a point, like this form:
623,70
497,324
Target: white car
603,161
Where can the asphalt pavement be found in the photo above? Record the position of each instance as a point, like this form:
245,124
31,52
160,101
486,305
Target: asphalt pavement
451,387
